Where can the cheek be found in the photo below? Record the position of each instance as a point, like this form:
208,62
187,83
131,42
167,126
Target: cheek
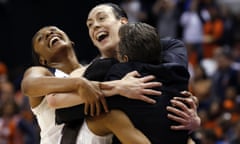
116,35
90,34
91,37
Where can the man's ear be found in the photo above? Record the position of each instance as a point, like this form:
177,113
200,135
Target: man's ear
124,20
125,58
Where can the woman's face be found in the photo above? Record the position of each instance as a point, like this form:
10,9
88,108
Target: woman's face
51,43
103,29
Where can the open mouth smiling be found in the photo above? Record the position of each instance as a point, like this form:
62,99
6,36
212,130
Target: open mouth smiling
53,40
101,36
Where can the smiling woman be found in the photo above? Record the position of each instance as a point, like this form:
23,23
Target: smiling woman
107,34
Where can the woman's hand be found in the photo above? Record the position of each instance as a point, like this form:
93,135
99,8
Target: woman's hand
184,111
91,94
93,98
133,87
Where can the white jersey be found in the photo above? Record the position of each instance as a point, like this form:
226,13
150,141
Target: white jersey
86,136
50,131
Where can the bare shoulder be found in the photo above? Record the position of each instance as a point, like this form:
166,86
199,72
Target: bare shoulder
78,72
36,71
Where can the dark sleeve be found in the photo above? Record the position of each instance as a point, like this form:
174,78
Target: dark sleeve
174,51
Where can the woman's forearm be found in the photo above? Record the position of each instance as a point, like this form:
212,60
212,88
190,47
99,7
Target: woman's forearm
63,100
39,81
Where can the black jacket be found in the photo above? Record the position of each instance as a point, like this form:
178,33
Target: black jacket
152,119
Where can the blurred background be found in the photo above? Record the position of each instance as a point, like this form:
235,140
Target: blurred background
210,30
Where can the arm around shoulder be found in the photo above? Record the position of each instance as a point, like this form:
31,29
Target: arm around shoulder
39,81
32,80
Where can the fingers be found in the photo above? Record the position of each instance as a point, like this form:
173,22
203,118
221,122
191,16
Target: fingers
195,100
151,92
86,109
177,112
179,127
189,101
178,119
146,99
98,108
152,84
133,74
175,118
147,78
187,93
92,109
179,104
104,104
95,108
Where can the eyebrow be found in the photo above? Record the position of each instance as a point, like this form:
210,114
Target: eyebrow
98,13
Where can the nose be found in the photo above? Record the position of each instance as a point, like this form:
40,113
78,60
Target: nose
49,33
96,25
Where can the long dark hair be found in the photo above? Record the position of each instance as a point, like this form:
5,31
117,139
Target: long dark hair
117,10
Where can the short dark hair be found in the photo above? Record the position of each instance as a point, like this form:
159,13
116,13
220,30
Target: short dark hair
117,10
140,42
35,55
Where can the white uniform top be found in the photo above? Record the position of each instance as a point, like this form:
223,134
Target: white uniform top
50,131
86,136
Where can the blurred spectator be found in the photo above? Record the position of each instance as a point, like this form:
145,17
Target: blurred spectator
206,136
213,32
236,139
167,17
236,51
17,120
225,75
192,22
236,28
13,128
6,91
9,131
200,85
228,21
134,10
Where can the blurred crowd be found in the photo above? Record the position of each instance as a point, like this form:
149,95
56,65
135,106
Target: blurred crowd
210,30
